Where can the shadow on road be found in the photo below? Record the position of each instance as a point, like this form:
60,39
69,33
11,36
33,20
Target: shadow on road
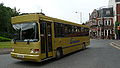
29,63
35,64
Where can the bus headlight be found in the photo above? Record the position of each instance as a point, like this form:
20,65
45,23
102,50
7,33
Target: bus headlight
13,50
35,51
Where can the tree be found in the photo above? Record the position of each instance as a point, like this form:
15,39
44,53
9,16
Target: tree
83,23
5,18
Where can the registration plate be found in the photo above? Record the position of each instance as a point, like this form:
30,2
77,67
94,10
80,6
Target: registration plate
20,56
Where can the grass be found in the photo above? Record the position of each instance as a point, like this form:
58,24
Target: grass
5,45
2,39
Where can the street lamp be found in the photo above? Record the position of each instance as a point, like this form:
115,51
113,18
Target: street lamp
80,13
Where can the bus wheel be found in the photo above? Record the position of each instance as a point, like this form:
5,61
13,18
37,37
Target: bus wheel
59,53
83,46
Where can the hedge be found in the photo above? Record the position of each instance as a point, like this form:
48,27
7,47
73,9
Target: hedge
3,39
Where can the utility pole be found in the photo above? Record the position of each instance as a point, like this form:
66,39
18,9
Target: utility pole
41,10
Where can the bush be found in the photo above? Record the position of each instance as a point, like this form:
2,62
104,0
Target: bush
6,35
4,39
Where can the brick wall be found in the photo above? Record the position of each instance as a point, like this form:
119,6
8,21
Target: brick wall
118,12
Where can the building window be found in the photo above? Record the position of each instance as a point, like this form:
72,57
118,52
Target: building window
105,22
105,32
108,12
99,22
108,32
117,0
109,22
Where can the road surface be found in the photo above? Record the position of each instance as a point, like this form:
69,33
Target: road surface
100,54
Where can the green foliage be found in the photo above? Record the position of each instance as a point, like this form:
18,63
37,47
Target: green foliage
4,39
7,35
5,45
116,25
5,20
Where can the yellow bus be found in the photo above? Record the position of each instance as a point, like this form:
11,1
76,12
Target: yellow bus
39,37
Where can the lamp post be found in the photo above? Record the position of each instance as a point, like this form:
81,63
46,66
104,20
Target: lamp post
80,13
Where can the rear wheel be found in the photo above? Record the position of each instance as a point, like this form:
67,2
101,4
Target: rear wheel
83,46
59,53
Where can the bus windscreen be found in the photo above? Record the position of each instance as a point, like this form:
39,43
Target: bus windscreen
26,32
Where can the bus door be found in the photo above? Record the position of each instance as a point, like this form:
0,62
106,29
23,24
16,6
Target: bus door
46,39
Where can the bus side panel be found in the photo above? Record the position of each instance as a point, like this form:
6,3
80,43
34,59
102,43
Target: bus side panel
71,44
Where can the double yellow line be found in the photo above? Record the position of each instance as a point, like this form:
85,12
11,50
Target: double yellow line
115,45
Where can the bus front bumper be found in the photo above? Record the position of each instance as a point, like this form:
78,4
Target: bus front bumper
26,57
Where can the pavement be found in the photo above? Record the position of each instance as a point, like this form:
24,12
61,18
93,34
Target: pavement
5,50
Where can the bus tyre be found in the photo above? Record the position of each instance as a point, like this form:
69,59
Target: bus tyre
83,46
58,53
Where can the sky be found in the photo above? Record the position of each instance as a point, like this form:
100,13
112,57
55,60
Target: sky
61,9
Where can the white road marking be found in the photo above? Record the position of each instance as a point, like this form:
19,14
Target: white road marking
116,46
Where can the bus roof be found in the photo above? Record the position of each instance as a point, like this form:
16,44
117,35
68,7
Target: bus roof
24,18
36,17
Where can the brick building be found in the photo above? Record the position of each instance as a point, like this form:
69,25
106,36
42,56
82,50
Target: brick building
93,21
102,25
116,8
105,22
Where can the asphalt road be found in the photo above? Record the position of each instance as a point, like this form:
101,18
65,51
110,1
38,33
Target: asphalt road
98,55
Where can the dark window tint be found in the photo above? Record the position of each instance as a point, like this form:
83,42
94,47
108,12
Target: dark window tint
66,30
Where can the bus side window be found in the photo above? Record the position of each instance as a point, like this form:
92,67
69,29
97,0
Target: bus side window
66,30
58,29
